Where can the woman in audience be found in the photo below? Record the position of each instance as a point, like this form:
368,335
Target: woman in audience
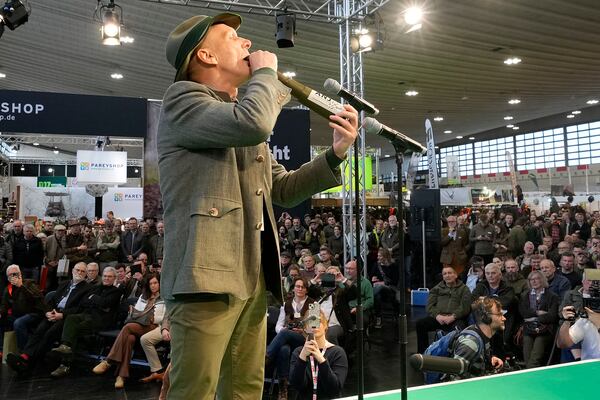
143,318
289,330
539,308
322,359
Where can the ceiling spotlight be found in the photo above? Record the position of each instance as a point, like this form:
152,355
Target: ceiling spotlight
36,144
570,116
448,131
413,15
50,170
116,75
2,75
136,170
592,101
364,40
22,167
411,93
127,39
289,74
111,16
509,126
55,151
515,128
438,119
471,138
575,112
514,101
508,118
286,29
459,137
512,61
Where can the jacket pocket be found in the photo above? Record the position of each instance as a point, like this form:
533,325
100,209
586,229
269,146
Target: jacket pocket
215,236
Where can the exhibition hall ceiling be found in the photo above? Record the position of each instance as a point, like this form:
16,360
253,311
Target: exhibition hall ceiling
455,62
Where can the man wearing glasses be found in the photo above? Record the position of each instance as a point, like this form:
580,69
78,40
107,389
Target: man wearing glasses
22,306
65,301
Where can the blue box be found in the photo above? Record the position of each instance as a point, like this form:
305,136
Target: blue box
419,297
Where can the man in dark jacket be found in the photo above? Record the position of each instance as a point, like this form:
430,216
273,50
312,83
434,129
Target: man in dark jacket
22,306
28,253
65,301
98,312
132,241
448,306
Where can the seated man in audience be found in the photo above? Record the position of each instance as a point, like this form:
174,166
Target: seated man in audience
65,301
563,247
366,291
336,243
448,307
556,282
384,276
514,278
122,278
22,306
567,269
308,265
326,257
524,260
582,261
92,272
580,330
108,245
97,312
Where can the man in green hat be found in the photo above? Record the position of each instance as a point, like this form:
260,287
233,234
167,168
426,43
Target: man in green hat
218,181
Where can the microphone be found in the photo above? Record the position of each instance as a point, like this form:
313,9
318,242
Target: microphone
372,126
316,101
445,365
333,86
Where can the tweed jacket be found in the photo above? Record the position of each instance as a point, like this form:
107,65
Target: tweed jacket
454,249
218,181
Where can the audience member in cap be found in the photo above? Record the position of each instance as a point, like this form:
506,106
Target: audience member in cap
225,136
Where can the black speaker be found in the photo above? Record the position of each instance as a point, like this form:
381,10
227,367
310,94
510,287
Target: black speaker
425,205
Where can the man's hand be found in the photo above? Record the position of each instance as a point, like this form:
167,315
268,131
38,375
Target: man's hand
166,335
441,319
568,313
353,310
130,258
345,127
261,59
497,363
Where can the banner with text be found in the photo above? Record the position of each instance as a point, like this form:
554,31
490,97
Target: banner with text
108,167
124,202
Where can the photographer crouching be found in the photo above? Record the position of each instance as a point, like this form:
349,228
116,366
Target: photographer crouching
583,326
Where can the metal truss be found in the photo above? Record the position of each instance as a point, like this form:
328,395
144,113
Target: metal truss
67,140
131,162
351,77
325,11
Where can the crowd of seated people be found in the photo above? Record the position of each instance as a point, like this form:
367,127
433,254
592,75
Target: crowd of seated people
111,269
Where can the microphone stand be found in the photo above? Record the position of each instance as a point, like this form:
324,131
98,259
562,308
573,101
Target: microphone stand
402,334
359,272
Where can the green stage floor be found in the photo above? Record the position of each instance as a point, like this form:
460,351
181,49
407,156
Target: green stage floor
560,382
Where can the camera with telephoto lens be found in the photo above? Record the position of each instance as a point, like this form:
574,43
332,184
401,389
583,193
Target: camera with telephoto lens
12,15
593,301
328,281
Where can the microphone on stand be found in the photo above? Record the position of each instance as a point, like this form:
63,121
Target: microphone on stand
444,365
372,126
333,86
316,101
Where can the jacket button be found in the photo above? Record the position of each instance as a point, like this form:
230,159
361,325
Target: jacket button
259,226
260,158
213,212
259,192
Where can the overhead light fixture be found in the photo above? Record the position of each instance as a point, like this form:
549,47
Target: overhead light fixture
592,101
289,74
411,93
2,75
364,40
50,170
448,131
36,144
22,167
55,151
509,126
413,17
515,128
570,116
508,118
111,17
471,138
116,75
286,29
512,61
437,147
13,14
576,112
514,101
438,119
136,170
459,137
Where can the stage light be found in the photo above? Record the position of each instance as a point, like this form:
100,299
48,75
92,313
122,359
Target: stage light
136,170
50,170
512,61
364,40
13,14
111,17
438,119
36,144
459,137
286,29
514,101
592,101
508,118
471,138
515,128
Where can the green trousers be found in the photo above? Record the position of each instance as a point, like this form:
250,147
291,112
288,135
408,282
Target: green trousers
218,346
